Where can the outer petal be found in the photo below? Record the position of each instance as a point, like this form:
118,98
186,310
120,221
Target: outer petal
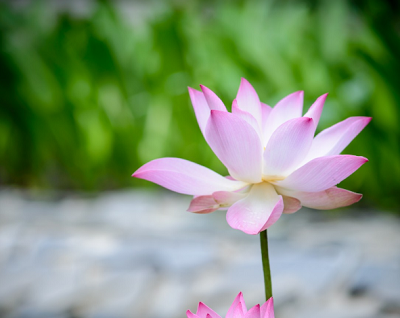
291,204
275,215
238,307
185,177
213,101
200,106
333,140
225,198
253,312
248,100
288,146
267,309
209,203
203,311
328,199
316,109
236,144
261,207
322,173
203,204
289,107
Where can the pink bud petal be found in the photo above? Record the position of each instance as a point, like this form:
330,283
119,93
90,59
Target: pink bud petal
267,309
205,311
236,310
253,312
238,307
189,314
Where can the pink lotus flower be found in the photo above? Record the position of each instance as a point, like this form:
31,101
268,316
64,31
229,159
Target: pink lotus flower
237,310
275,163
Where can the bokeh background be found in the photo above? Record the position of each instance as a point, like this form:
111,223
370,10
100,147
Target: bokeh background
90,94
91,90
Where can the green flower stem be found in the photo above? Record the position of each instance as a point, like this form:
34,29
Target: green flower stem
265,263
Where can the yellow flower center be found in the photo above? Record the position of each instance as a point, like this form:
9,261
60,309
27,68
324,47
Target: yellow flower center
270,179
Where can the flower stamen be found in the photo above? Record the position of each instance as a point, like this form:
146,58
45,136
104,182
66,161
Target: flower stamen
272,178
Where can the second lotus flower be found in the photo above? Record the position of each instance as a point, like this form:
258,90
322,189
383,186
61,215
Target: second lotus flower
238,309
275,163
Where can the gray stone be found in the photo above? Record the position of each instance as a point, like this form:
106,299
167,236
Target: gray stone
140,254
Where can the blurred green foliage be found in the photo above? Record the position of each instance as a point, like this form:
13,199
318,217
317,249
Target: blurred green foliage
87,99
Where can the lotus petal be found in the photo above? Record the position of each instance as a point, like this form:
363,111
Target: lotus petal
291,204
262,206
288,146
236,144
225,198
185,177
253,312
333,140
328,199
238,307
267,309
203,310
246,116
265,111
203,204
287,108
237,310
322,173
213,101
200,106
316,109
209,203
248,100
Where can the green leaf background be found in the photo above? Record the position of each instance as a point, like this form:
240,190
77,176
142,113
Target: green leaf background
88,98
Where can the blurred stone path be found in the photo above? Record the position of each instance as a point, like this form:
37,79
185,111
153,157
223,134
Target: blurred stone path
139,254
